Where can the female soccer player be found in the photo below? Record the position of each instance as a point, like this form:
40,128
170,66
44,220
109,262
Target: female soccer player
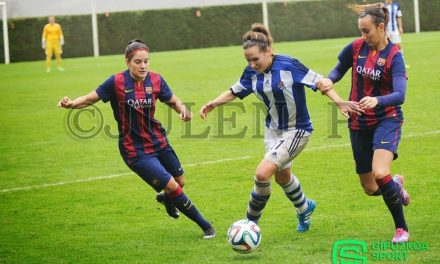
143,143
52,41
379,85
278,81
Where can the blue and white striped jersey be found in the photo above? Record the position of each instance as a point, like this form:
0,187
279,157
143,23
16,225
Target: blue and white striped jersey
395,12
282,91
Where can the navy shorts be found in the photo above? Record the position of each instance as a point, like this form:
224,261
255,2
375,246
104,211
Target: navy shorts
156,169
363,142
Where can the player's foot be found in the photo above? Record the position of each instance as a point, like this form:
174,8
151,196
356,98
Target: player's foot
48,70
209,233
401,236
169,206
304,218
407,66
60,69
403,193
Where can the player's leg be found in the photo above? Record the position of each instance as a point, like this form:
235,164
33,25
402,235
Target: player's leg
175,193
261,192
49,54
171,163
390,192
292,188
386,140
151,171
58,52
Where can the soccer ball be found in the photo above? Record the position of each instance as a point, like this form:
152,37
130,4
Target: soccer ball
244,236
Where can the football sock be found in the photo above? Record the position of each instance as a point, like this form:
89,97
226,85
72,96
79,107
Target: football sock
391,196
296,196
184,204
378,192
258,200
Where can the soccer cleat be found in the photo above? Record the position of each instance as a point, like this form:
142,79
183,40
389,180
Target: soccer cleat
169,206
401,236
304,218
60,69
209,233
403,193
48,70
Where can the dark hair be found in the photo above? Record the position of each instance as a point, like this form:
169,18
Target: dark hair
258,36
134,45
378,12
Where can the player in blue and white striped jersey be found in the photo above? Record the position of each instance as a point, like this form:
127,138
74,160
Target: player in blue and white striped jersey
278,81
395,25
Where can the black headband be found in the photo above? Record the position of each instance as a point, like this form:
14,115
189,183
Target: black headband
255,41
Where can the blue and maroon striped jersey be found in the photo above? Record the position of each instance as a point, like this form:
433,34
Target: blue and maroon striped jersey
133,108
372,75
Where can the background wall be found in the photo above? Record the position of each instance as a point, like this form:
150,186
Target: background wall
173,29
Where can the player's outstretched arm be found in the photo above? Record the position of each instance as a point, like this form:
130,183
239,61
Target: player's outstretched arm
80,102
224,98
180,108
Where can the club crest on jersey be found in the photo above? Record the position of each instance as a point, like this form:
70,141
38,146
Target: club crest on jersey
149,90
381,61
281,85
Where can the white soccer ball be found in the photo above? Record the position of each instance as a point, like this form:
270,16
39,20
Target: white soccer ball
244,236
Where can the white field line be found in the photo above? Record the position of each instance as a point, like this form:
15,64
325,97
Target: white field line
96,178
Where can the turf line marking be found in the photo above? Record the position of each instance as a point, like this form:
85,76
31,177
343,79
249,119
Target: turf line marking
189,165
112,176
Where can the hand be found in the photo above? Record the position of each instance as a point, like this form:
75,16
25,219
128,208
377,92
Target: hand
401,32
324,84
205,110
62,42
349,107
185,115
65,103
43,45
368,102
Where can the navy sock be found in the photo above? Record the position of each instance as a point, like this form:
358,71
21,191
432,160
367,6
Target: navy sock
184,204
391,195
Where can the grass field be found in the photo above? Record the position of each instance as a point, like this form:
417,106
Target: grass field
70,200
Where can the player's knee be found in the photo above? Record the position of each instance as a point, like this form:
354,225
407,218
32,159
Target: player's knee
180,180
381,173
262,176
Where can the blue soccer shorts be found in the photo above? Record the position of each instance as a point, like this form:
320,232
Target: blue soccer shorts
158,168
386,135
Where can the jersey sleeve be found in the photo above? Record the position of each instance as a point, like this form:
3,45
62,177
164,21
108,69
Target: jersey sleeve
399,11
243,87
165,92
302,74
106,90
345,57
61,32
398,66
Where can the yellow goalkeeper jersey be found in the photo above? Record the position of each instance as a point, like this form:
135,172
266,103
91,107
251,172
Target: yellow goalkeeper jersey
52,32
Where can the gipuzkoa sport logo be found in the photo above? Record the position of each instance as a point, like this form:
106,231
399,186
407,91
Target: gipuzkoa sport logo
356,251
345,251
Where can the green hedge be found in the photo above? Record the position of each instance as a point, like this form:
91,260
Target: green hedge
322,19
217,26
177,29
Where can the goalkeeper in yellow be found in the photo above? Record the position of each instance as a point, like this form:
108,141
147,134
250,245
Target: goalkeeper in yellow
52,40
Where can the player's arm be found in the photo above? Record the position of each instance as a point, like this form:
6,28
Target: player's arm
400,25
346,107
224,98
180,108
80,102
44,37
61,36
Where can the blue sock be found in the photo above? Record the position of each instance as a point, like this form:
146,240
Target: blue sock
391,195
295,194
184,204
259,197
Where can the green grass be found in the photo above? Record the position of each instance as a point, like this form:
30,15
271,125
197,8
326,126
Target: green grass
116,220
